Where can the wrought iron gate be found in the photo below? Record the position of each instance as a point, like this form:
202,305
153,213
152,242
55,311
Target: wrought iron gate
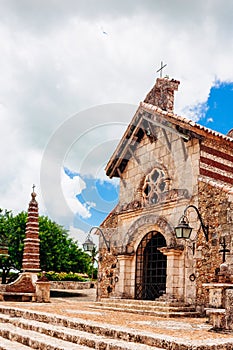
151,267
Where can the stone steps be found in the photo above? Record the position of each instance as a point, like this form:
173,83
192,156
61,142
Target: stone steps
150,308
6,344
157,302
22,329
35,340
29,330
36,330
150,312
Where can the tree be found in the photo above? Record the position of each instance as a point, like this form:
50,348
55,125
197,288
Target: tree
58,252
5,261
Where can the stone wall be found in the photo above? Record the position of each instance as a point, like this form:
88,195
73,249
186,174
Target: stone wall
108,273
69,285
214,204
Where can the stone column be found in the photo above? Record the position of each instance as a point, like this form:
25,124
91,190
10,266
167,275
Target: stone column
175,272
125,285
42,291
229,309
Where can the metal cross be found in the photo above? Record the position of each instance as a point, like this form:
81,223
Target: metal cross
224,249
33,187
161,69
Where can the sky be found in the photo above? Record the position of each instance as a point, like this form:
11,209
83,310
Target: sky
72,74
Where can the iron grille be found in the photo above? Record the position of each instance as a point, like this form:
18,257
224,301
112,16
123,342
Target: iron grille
151,267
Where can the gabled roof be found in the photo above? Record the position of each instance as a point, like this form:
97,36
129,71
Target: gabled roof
142,123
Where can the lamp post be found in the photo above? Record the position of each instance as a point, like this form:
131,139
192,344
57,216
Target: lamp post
88,245
183,230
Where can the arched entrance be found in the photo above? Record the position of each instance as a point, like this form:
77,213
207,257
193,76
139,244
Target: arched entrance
151,267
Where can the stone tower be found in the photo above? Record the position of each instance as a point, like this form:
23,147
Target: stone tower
162,94
27,287
31,254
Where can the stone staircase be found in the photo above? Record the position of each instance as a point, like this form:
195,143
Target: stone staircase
157,308
25,329
22,329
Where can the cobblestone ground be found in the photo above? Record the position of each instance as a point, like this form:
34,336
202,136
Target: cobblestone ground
79,304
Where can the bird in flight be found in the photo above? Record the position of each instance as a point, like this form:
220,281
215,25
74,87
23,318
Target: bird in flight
103,31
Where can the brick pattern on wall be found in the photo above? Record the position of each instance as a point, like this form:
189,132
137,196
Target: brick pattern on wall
31,254
107,273
162,94
216,163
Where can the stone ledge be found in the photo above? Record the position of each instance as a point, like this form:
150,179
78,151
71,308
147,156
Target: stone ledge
215,311
70,285
17,293
17,296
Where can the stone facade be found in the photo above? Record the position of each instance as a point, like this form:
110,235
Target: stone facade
165,163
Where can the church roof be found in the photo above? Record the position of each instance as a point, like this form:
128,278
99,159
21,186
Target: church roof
159,115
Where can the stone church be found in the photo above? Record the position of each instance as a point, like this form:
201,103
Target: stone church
167,165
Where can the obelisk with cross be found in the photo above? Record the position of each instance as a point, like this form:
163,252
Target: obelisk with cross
31,253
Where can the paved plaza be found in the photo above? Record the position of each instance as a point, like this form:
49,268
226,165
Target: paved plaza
80,305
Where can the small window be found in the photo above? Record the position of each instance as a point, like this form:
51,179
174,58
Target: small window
154,185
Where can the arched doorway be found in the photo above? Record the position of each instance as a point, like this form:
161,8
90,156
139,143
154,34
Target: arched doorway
151,267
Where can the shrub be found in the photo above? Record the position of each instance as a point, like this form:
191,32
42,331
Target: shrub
66,276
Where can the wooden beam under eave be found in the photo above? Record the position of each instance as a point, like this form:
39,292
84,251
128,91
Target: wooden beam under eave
185,153
134,156
169,146
120,176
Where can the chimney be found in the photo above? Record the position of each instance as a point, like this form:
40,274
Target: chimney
162,94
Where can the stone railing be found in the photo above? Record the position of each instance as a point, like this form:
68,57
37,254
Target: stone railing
71,285
220,310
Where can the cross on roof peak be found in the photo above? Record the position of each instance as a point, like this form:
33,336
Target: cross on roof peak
161,69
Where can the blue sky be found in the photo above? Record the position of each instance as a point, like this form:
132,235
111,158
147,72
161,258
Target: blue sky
218,110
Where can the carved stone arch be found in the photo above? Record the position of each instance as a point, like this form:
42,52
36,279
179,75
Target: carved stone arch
145,224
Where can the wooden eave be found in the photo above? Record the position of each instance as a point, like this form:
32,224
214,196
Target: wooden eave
134,133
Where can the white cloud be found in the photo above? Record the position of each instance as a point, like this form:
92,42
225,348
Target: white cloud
55,61
71,188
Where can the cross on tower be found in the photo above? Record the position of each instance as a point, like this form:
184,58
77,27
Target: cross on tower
33,187
224,249
161,69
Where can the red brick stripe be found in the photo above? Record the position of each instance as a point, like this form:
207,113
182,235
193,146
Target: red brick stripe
217,165
216,176
217,153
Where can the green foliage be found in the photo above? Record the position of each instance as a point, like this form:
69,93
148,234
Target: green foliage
58,252
63,276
